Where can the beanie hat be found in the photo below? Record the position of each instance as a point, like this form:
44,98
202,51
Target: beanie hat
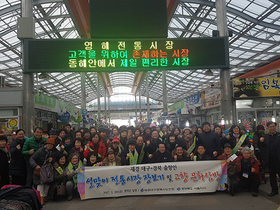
50,141
260,127
152,125
227,145
116,140
131,142
53,132
110,151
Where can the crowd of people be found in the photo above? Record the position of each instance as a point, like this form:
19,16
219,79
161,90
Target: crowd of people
67,151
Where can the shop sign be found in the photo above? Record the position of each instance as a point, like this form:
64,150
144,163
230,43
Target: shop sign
176,106
45,100
13,123
256,87
84,112
194,99
210,98
64,116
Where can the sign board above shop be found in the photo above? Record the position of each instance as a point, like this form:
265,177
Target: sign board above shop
107,55
256,87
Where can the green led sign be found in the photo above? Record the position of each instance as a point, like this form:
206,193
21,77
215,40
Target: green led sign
96,55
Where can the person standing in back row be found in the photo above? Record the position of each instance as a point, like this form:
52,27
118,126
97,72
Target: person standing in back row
270,144
210,140
30,146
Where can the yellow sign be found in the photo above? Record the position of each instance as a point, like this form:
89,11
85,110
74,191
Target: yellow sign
13,123
256,87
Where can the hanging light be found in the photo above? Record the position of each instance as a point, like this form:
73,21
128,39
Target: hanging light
187,124
223,120
273,118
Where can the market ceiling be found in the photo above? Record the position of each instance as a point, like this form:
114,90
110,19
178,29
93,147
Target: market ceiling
254,44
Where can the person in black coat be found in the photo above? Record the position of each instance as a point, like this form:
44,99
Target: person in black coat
161,155
17,165
141,149
270,144
210,140
45,154
200,154
153,143
130,155
4,162
171,142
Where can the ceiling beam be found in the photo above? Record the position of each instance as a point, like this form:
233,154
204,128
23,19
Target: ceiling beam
139,76
79,12
138,79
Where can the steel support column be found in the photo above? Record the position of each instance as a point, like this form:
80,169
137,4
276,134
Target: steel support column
140,111
147,95
109,109
226,87
164,93
28,114
98,97
105,105
136,107
83,92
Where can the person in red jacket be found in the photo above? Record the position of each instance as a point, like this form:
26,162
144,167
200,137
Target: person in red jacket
250,178
96,144
233,167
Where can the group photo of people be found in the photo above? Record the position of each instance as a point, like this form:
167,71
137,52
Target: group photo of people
25,161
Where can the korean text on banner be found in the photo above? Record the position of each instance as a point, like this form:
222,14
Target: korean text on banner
147,179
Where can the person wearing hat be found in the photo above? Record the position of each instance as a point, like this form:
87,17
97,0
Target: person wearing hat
115,146
123,137
54,135
250,178
130,155
234,167
210,140
111,159
270,145
48,153
30,146
103,132
179,154
4,163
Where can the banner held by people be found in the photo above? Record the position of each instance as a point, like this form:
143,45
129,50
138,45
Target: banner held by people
148,179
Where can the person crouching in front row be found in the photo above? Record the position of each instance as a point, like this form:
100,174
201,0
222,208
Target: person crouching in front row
161,155
200,154
233,167
250,178
179,154
111,159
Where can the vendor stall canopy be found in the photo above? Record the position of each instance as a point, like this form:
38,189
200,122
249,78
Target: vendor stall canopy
255,27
